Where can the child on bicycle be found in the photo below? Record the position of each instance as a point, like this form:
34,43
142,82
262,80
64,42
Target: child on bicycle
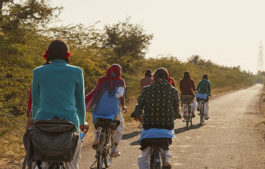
204,87
106,99
157,107
187,89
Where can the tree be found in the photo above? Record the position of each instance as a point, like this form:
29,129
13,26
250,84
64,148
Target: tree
19,23
128,41
30,13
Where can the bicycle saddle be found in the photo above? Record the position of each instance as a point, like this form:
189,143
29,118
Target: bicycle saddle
107,123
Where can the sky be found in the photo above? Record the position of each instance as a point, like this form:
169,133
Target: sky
227,32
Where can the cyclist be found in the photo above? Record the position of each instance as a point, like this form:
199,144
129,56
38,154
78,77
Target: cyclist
171,79
187,88
204,87
106,99
146,80
158,106
58,92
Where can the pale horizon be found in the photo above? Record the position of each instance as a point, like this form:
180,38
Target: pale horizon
226,32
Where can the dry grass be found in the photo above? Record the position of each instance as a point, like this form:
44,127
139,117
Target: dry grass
11,144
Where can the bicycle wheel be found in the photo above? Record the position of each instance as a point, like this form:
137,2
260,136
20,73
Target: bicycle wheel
188,118
186,112
155,160
100,154
190,115
99,161
202,113
107,150
107,160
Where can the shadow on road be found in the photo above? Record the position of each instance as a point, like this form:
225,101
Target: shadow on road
130,135
135,143
184,129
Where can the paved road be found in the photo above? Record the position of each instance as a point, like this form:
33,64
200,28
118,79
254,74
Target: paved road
228,140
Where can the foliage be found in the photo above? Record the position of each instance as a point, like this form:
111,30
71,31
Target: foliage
128,41
23,42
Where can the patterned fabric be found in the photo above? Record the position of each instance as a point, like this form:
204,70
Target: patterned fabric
160,104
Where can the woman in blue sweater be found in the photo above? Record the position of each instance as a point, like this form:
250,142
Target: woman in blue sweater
58,92
106,100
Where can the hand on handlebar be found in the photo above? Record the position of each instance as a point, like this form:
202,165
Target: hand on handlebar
84,128
124,109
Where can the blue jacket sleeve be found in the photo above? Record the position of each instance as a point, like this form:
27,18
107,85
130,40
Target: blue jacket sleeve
35,94
80,99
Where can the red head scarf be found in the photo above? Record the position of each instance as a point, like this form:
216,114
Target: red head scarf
109,82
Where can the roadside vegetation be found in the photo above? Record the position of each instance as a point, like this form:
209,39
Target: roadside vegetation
24,37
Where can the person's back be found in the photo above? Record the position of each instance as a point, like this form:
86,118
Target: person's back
158,106
58,93
187,87
106,99
204,87
108,105
146,80
58,84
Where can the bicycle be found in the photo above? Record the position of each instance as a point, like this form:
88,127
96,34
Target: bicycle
156,157
46,130
187,100
52,165
105,141
201,99
157,145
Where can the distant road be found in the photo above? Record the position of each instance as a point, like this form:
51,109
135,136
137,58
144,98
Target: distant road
228,140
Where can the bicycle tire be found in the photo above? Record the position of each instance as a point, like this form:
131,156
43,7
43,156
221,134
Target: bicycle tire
188,118
107,160
155,160
107,157
99,161
187,123
151,160
202,113
190,115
